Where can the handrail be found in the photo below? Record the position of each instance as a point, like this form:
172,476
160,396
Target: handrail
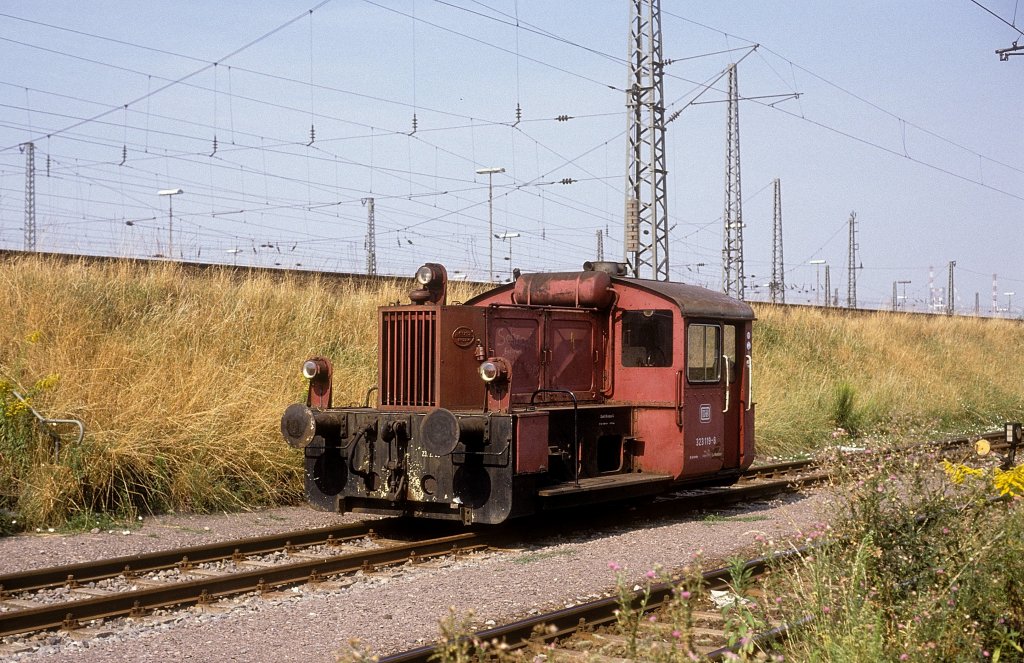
48,423
750,383
679,398
726,362
575,427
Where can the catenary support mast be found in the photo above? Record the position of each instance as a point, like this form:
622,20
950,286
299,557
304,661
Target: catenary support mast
646,222
732,217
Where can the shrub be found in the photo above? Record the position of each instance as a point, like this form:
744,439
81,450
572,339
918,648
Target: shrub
921,566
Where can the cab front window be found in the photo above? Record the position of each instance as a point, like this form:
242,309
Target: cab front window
647,338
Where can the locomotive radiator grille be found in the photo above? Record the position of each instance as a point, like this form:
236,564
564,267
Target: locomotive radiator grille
408,361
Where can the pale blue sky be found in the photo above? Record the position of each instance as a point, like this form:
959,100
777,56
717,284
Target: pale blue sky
906,115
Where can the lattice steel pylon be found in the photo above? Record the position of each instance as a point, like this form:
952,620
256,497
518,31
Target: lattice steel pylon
600,245
777,286
732,217
371,239
851,284
646,222
30,195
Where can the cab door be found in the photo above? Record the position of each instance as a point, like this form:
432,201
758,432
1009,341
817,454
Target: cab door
706,400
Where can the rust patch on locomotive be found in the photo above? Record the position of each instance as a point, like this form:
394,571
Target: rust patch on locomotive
556,390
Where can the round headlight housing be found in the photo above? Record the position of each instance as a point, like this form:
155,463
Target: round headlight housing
489,371
424,275
310,369
493,370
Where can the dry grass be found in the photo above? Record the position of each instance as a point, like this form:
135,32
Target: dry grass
916,375
181,378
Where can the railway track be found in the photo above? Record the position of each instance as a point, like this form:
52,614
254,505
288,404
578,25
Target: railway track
74,602
594,629
69,597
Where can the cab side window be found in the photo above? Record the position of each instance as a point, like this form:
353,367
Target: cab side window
647,338
702,352
729,334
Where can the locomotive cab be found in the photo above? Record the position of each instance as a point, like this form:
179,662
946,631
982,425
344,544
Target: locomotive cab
557,390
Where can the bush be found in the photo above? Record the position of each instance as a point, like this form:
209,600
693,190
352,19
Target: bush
843,412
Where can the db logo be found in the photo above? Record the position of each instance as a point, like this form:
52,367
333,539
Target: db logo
705,414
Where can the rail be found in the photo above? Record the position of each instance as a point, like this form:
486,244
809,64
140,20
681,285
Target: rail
559,624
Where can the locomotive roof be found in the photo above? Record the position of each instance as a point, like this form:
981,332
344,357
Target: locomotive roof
693,300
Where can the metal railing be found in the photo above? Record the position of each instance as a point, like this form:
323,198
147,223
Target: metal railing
49,426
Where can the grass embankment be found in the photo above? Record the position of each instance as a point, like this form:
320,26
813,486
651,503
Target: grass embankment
878,374
181,378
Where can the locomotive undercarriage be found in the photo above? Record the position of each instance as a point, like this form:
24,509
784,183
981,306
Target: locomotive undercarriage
403,463
462,466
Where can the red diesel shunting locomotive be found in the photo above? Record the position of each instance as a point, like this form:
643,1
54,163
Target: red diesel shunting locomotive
556,390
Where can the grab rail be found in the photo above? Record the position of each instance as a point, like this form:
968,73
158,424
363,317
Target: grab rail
726,362
750,383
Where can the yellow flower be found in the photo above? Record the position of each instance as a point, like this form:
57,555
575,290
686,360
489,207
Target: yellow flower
1010,482
34,337
49,382
958,472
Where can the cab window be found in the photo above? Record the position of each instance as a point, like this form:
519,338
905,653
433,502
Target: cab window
647,338
702,352
729,350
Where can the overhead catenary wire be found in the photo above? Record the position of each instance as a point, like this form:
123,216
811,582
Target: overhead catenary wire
285,149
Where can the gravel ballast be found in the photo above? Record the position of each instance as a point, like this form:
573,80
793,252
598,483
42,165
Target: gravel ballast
391,610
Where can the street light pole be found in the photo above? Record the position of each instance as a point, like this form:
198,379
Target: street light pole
170,193
904,284
490,172
509,237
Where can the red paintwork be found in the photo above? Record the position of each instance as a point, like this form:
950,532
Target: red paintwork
680,428
531,442
319,394
427,358
590,399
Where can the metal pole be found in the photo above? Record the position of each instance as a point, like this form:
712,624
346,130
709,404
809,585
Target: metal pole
904,284
817,280
490,172
170,193
490,227
828,287
170,227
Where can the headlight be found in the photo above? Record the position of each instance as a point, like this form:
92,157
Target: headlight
424,275
310,369
493,369
489,371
